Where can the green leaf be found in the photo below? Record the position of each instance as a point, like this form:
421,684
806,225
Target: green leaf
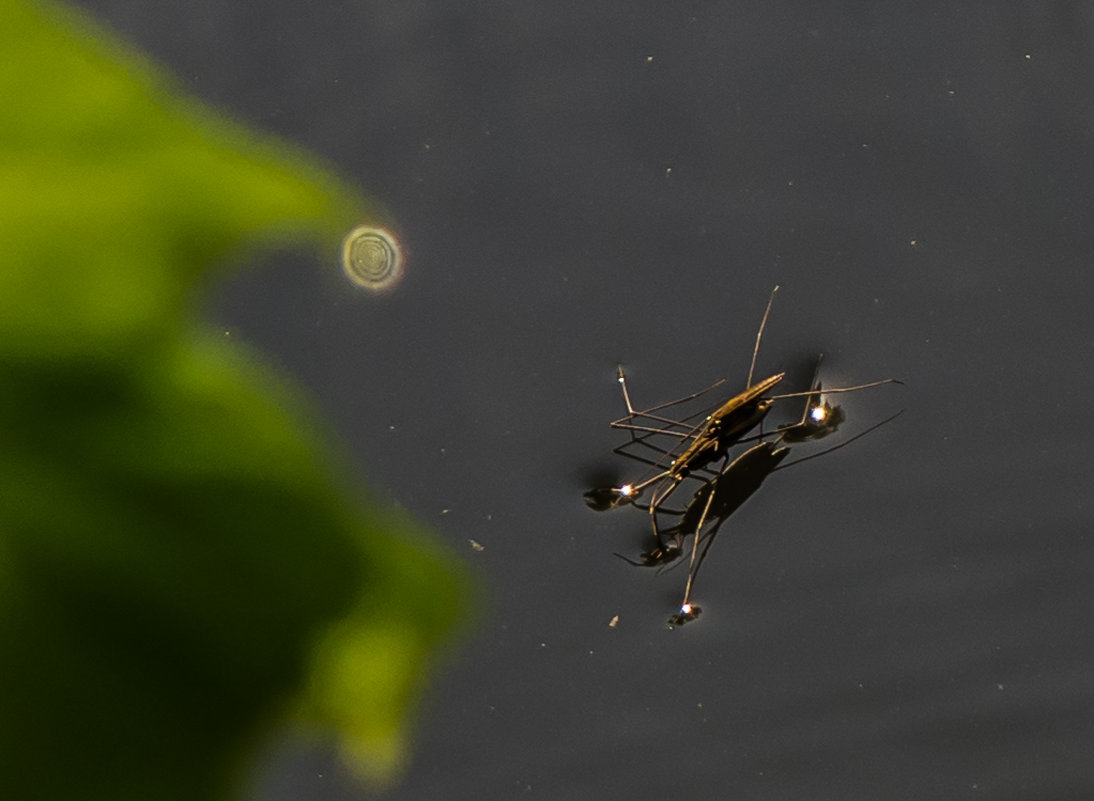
182,566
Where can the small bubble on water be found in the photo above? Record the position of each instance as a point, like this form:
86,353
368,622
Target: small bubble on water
372,258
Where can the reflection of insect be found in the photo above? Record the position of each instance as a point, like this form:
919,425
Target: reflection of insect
698,445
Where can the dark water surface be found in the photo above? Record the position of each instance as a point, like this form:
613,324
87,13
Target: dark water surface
584,184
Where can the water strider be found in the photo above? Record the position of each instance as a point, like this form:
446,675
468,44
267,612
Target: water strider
722,493
699,444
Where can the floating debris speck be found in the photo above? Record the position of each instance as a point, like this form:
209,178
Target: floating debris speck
372,258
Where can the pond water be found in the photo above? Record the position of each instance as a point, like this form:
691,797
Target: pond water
576,188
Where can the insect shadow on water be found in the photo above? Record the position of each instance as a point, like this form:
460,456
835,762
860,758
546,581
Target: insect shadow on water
700,440
718,498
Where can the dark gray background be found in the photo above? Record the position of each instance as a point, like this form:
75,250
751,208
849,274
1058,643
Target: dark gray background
582,184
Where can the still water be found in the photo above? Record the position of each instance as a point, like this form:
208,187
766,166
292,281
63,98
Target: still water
576,188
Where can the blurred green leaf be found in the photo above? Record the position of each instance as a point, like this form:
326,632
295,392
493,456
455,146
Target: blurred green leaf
181,567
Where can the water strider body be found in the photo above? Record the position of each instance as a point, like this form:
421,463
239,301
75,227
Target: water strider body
698,445
696,448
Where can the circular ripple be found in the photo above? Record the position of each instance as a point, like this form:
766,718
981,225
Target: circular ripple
371,258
